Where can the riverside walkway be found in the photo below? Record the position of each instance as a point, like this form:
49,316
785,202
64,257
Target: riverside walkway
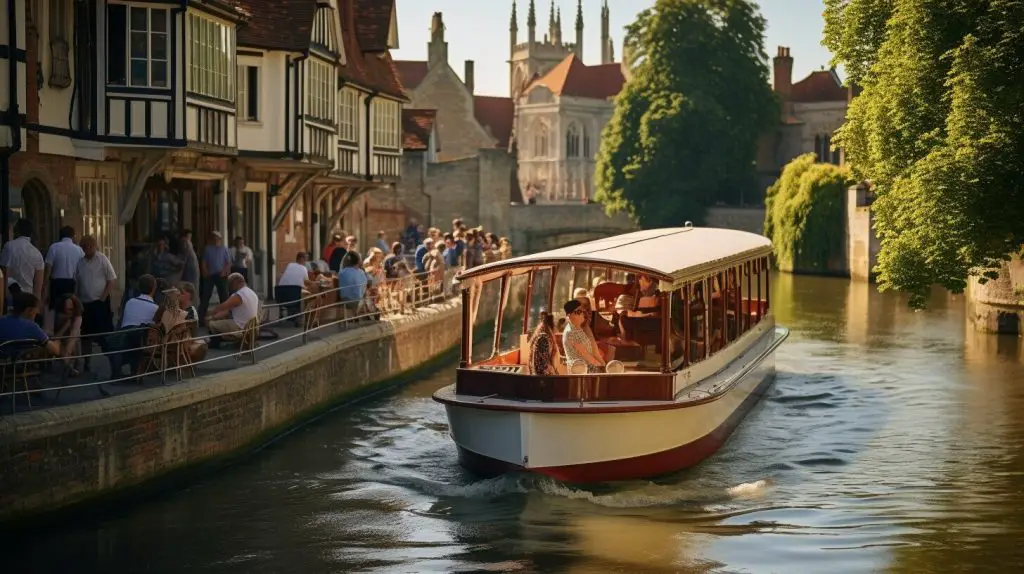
45,387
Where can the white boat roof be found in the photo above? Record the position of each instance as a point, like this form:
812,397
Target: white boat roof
669,254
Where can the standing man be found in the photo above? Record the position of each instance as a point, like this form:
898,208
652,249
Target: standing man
95,280
22,263
190,272
61,261
215,267
382,242
241,258
337,240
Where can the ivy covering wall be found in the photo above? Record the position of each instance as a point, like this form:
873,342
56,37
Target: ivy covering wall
804,215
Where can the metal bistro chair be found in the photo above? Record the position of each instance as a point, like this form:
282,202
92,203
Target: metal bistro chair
175,351
250,338
18,363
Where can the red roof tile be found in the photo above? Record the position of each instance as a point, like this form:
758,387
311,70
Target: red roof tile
373,22
411,72
367,68
819,86
496,114
571,77
277,24
416,128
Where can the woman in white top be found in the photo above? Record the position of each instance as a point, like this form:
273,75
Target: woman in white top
231,316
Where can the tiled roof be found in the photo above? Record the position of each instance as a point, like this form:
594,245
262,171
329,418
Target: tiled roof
373,22
411,72
496,114
367,68
819,86
571,77
277,24
416,128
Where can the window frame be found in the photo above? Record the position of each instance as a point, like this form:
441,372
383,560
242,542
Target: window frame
247,99
129,56
348,116
212,62
320,90
386,124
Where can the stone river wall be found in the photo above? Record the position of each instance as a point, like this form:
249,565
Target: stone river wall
53,458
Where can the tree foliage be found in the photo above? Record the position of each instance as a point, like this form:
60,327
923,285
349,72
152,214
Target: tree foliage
685,128
803,214
938,129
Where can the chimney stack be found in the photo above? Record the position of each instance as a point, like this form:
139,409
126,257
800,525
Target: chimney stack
468,77
437,48
783,73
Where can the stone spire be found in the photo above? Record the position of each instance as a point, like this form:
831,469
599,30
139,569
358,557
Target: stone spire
606,42
579,29
531,23
513,27
557,40
551,22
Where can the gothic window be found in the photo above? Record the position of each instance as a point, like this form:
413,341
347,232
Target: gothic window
60,23
572,141
586,144
540,141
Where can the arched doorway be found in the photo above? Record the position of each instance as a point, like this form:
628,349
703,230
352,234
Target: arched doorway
38,208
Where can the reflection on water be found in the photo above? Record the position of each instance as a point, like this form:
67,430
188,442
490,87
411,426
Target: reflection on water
892,441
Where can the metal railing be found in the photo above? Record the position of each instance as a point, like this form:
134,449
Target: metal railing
386,299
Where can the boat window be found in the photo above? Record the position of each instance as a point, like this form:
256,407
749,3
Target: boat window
512,312
563,277
540,296
731,314
677,325
484,319
581,278
698,322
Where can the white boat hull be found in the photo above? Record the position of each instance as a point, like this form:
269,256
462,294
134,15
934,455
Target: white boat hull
581,444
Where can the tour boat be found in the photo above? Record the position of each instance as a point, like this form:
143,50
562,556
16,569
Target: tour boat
682,315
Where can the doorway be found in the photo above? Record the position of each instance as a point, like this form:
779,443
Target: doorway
37,207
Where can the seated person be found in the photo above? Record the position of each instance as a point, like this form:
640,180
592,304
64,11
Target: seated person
293,282
20,325
640,299
230,317
170,314
138,311
352,281
187,301
577,344
68,328
544,358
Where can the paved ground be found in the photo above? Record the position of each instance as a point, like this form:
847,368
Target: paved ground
217,360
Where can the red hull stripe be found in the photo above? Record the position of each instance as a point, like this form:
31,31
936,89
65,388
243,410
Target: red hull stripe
646,466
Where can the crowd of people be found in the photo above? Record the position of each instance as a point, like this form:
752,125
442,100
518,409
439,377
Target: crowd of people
434,251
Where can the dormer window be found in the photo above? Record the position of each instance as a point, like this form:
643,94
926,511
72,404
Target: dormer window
211,57
321,88
138,45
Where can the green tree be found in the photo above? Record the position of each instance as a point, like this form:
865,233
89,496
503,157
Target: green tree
685,129
938,129
803,211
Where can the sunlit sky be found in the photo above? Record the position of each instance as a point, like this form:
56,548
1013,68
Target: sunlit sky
478,30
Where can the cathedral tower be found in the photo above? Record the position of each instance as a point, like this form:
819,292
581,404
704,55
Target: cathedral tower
579,29
606,41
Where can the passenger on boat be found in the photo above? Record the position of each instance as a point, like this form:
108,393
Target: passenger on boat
640,299
578,345
544,359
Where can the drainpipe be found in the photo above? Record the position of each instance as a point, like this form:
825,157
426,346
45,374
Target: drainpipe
13,112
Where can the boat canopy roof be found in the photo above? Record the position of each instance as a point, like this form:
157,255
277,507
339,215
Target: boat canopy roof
673,254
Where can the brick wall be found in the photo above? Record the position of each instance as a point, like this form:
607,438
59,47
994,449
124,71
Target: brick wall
56,175
458,131
55,457
749,219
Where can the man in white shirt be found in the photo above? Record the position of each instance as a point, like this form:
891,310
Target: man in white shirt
293,281
241,258
95,280
21,262
59,275
138,311
230,317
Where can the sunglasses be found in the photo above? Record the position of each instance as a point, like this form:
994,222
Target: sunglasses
578,312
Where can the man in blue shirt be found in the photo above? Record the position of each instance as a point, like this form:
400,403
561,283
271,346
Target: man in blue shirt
451,254
351,281
215,267
21,326
421,252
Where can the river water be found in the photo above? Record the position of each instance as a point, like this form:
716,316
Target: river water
893,441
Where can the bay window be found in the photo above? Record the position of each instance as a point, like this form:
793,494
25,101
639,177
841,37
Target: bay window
386,123
349,115
138,46
320,90
211,57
